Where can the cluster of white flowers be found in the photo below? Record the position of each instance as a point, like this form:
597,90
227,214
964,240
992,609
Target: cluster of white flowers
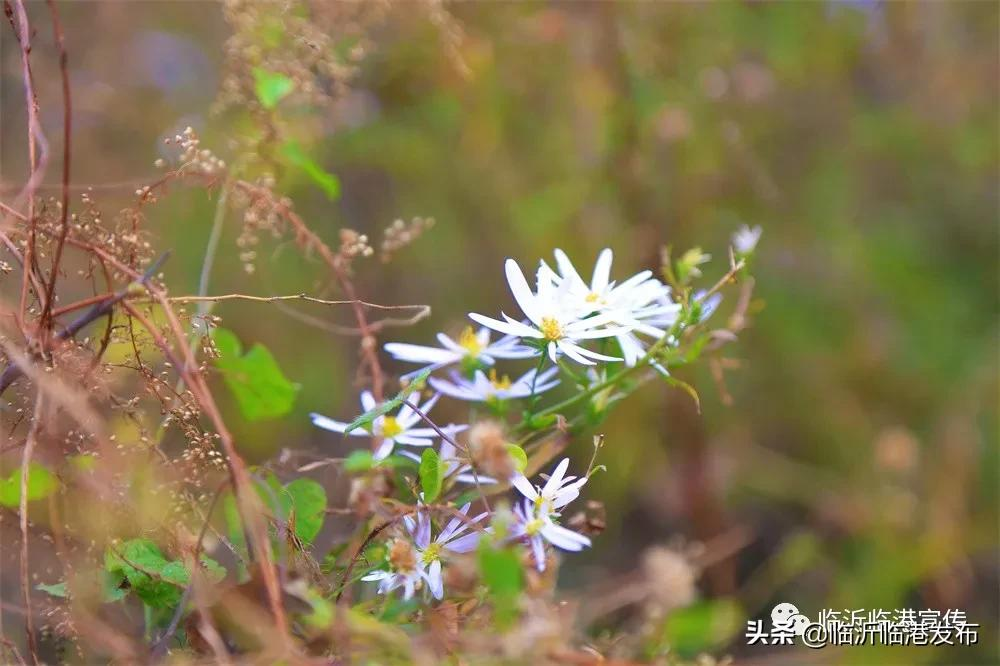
562,316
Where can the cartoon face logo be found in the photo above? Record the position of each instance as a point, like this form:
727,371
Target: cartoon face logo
787,617
782,615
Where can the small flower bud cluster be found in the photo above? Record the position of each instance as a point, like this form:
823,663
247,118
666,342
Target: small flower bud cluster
311,58
193,157
400,234
260,213
353,245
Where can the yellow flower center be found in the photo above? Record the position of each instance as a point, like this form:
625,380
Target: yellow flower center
551,329
470,342
431,553
593,297
501,383
534,527
391,427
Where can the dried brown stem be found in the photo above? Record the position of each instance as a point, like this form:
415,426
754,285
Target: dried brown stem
57,33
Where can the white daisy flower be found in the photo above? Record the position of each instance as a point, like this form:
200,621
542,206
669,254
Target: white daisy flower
745,239
454,465
472,348
452,539
552,319
641,302
404,570
392,430
391,580
489,388
538,527
535,517
558,491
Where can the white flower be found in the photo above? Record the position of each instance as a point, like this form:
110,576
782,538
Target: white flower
404,569
553,321
745,239
390,580
470,346
537,527
398,429
454,465
641,302
558,491
452,539
535,517
602,293
417,560
483,388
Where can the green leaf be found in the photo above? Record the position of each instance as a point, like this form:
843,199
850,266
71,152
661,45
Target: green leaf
271,87
687,388
431,474
55,590
519,456
215,571
83,462
365,420
359,461
326,181
261,389
501,571
159,582
111,586
41,484
155,579
308,508
702,626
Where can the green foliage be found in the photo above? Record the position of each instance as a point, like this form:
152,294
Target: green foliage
519,457
500,569
41,484
261,389
57,590
306,506
271,87
326,181
366,419
432,471
159,582
358,461
702,626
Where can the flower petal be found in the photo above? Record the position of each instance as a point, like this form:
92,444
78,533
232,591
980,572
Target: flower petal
521,482
509,327
560,537
329,424
402,351
525,298
602,270
384,449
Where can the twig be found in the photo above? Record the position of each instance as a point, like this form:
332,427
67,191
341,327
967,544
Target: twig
57,33
38,153
29,449
13,371
423,311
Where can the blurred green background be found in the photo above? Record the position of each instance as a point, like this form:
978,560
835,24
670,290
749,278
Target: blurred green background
859,453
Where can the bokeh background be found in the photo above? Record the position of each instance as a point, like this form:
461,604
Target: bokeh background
855,458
